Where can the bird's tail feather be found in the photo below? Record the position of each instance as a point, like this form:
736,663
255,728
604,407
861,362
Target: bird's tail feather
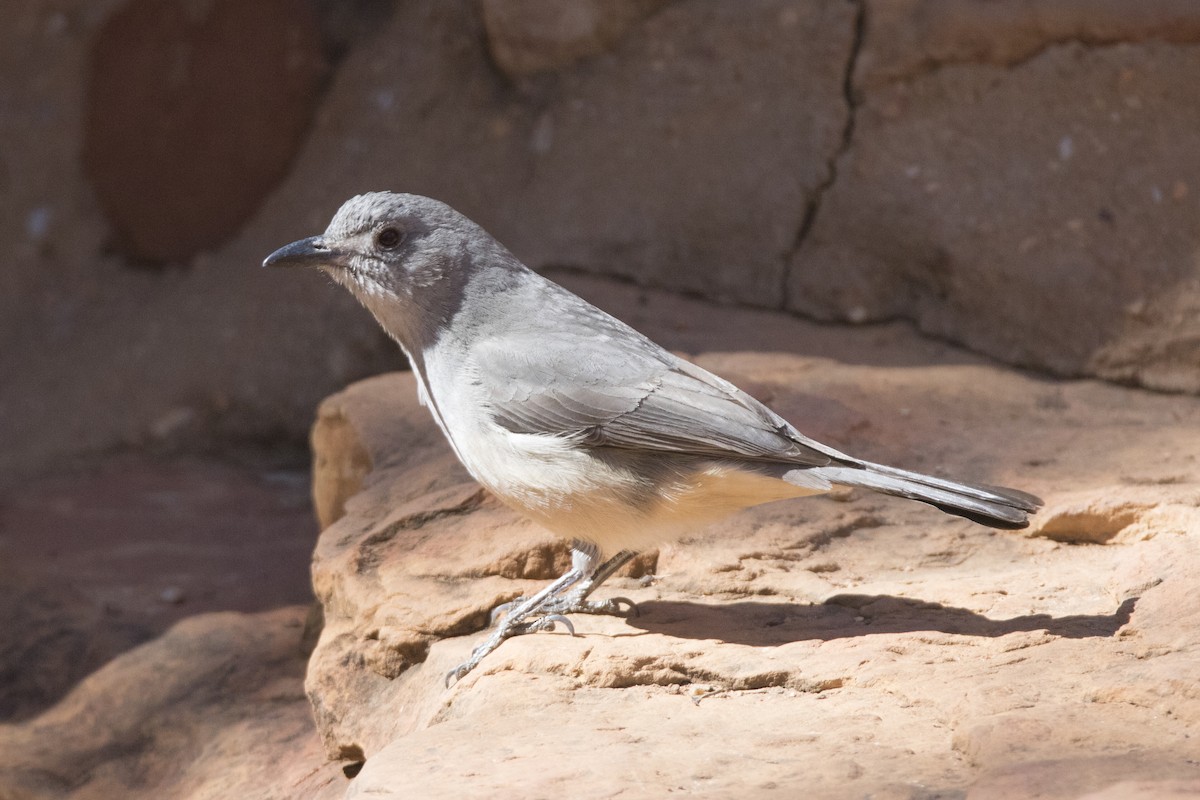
993,506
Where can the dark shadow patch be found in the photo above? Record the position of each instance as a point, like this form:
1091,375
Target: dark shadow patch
846,616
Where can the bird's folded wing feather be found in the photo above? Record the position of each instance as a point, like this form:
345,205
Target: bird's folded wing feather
614,388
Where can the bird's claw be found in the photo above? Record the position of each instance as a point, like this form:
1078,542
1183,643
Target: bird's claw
545,623
457,673
615,603
504,608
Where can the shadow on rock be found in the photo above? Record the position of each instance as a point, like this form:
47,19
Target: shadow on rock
763,624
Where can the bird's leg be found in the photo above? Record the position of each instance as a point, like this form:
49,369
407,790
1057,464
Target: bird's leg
576,600
583,565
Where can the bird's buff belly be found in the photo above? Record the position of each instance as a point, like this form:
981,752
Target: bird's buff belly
628,500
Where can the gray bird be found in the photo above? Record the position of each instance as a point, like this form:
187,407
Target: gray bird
573,418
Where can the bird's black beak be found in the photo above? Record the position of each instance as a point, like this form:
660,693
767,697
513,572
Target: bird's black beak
310,252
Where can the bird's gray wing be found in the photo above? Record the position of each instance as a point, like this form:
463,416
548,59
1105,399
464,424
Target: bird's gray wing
611,387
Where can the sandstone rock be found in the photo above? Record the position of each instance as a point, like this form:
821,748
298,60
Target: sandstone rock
194,113
1146,790
52,638
1116,514
852,645
214,708
686,148
528,36
905,38
1158,341
1029,224
340,462
715,124
98,558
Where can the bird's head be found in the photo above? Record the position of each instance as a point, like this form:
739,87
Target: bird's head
409,259
384,244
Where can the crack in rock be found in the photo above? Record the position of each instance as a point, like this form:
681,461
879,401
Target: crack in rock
813,206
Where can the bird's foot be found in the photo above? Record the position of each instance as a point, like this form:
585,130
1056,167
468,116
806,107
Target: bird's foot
615,606
546,609
508,629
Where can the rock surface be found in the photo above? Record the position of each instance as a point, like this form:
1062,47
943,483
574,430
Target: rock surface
530,36
179,146
212,709
154,631
844,646
102,557
907,38
914,225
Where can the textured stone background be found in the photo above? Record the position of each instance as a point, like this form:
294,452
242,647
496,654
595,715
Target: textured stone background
1021,178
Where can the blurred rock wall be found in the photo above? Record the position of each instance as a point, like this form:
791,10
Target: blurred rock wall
1019,177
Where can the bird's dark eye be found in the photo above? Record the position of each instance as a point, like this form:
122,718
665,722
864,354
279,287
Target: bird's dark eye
389,238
